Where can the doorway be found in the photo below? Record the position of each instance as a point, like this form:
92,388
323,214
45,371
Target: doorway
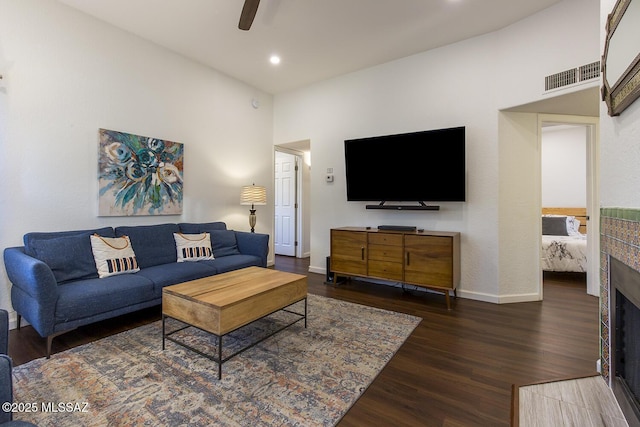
286,203
572,180
291,203
520,199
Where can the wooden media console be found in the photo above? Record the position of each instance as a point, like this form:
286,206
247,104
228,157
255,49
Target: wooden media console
429,259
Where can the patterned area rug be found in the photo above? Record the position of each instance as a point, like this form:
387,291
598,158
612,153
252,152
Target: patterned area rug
298,377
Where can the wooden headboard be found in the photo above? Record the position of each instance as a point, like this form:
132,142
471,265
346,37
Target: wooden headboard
579,213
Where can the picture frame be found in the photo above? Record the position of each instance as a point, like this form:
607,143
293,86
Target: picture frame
621,57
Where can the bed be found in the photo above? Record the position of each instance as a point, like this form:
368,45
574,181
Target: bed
564,239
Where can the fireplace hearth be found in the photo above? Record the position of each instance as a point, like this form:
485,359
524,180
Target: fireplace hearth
625,338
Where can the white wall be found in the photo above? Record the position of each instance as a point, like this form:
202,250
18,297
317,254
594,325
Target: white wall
66,75
558,38
519,189
461,84
554,40
564,166
620,154
392,98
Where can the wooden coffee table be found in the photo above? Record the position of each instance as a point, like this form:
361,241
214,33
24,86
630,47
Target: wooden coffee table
222,303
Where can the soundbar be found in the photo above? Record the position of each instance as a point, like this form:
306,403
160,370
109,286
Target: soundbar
405,207
397,228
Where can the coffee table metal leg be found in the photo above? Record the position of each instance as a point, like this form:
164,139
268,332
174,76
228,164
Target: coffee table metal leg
220,357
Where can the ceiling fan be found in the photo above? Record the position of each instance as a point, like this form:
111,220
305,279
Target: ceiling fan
248,13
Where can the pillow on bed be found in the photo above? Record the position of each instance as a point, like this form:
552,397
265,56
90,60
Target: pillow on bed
554,226
573,226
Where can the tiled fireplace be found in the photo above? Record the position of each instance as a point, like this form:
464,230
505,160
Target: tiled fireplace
620,305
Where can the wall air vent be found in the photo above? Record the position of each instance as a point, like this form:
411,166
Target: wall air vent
572,76
563,78
590,71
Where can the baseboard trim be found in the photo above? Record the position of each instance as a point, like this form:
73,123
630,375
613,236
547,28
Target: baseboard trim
319,270
509,299
477,296
498,299
13,320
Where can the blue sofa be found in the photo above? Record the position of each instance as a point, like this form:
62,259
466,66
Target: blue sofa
56,285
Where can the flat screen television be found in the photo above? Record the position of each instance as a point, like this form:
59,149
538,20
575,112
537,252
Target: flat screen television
409,167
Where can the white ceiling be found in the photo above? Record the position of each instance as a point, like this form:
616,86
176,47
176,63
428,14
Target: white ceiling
317,39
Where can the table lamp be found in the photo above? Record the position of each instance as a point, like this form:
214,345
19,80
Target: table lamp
253,195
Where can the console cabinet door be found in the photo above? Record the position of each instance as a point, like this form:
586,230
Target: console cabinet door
349,252
428,260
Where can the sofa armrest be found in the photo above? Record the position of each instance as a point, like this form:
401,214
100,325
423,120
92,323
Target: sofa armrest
34,291
253,244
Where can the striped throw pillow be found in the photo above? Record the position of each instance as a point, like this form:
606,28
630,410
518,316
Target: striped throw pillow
113,255
193,247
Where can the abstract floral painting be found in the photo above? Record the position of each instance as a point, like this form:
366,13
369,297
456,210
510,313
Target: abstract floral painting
139,175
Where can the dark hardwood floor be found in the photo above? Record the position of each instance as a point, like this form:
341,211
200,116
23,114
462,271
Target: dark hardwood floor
458,366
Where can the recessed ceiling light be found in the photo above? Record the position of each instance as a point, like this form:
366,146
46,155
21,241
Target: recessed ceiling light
275,59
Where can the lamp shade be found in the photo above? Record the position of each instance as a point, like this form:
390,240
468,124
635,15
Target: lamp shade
253,195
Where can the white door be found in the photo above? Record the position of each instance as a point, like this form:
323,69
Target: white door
285,204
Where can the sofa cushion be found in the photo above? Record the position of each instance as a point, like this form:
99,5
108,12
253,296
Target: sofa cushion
233,262
253,244
174,273
86,298
67,253
193,247
201,227
152,244
113,255
224,243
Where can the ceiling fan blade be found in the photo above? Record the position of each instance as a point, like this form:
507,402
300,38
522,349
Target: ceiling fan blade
248,13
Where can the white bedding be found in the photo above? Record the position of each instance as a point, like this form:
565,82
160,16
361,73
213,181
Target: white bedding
564,253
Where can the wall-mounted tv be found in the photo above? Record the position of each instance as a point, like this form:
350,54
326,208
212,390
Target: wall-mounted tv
409,167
